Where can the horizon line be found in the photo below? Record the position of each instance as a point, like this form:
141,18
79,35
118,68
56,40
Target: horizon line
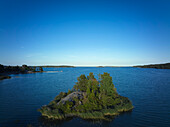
87,65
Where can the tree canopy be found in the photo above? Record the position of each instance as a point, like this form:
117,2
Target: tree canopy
89,98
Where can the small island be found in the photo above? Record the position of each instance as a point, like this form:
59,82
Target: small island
4,77
89,99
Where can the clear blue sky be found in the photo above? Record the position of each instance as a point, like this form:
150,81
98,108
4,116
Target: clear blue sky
84,33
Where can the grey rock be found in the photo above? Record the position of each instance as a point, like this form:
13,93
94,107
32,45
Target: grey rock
78,95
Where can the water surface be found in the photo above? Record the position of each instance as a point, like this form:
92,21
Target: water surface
148,89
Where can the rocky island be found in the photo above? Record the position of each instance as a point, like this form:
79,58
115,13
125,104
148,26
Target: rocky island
89,99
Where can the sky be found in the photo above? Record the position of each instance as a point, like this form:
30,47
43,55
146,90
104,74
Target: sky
84,32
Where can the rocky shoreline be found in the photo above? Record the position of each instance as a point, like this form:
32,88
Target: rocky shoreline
4,77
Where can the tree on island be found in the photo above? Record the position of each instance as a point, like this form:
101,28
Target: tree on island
41,69
89,99
34,69
1,68
24,66
24,69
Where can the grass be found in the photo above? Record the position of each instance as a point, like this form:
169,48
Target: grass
96,115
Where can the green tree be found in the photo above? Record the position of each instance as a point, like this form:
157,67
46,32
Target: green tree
41,69
106,85
91,76
1,68
81,84
24,66
69,91
34,69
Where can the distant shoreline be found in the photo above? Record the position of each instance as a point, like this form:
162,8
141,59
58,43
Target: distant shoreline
156,66
6,75
55,66
5,71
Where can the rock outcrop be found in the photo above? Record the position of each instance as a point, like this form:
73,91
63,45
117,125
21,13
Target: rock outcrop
78,95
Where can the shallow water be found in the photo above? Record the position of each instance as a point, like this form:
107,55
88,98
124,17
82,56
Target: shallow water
148,89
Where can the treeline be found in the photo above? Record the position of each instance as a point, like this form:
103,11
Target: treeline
19,69
157,66
55,66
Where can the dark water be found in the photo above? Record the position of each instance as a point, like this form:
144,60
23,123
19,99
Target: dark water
148,89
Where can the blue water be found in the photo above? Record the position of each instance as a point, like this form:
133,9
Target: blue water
148,89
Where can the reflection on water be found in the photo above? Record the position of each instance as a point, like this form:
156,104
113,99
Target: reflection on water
53,71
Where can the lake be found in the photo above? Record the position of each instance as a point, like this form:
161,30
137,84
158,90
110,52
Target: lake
147,88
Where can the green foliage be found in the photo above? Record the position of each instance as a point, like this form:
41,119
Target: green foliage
41,69
69,91
66,108
91,76
106,85
99,99
157,66
60,96
81,83
18,69
24,66
34,69
1,68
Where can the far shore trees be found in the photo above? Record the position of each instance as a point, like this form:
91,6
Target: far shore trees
19,69
41,69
